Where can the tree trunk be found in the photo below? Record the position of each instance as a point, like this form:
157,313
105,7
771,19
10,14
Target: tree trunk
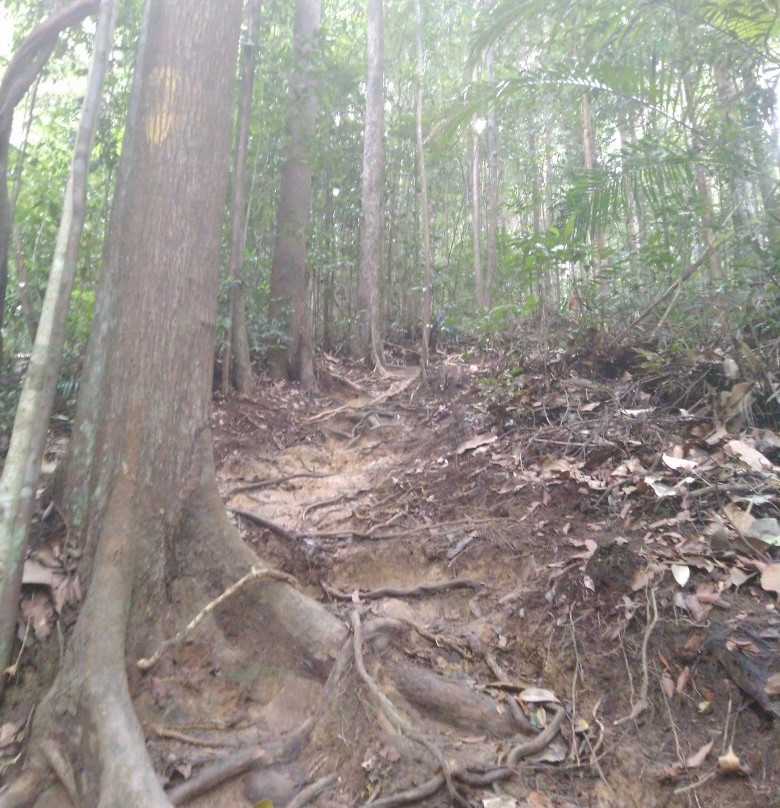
369,341
476,219
23,463
424,212
626,129
289,307
25,65
237,367
144,398
589,150
492,193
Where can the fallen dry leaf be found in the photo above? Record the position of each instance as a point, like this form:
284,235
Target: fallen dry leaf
678,463
698,757
667,685
533,695
770,578
475,443
681,573
682,679
772,687
748,455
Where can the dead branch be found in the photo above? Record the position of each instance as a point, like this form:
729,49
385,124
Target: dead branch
256,486
311,792
266,523
401,592
212,776
642,704
257,573
394,390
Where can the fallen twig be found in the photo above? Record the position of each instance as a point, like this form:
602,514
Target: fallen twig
400,592
220,771
263,522
311,792
257,573
642,704
256,486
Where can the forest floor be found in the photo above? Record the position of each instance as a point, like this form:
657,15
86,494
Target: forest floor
561,535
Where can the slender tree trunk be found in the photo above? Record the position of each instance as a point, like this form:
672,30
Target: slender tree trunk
589,151
424,211
492,193
26,64
633,240
369,338
237,366
289,306
476,219
22,468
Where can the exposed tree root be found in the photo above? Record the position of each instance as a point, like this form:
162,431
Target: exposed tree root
474,777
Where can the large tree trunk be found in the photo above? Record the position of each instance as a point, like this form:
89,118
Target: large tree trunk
143,410
369,342
289,308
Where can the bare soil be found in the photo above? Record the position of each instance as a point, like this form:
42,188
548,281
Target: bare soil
542,591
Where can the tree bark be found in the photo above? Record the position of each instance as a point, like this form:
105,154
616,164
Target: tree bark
289,308
22,467
476,220
25,65
143,407
237,366
424,211
369,341
492,193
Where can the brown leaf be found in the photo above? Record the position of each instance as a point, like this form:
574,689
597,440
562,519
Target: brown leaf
38,574
770,578
748,455
475,443
682,679
697,758
772,687
667,685
40,613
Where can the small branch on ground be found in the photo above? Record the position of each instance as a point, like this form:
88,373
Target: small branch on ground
311,792
642,704
400,592
233,765
475,779
256,486
394,390
266,523
257,573
216,774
